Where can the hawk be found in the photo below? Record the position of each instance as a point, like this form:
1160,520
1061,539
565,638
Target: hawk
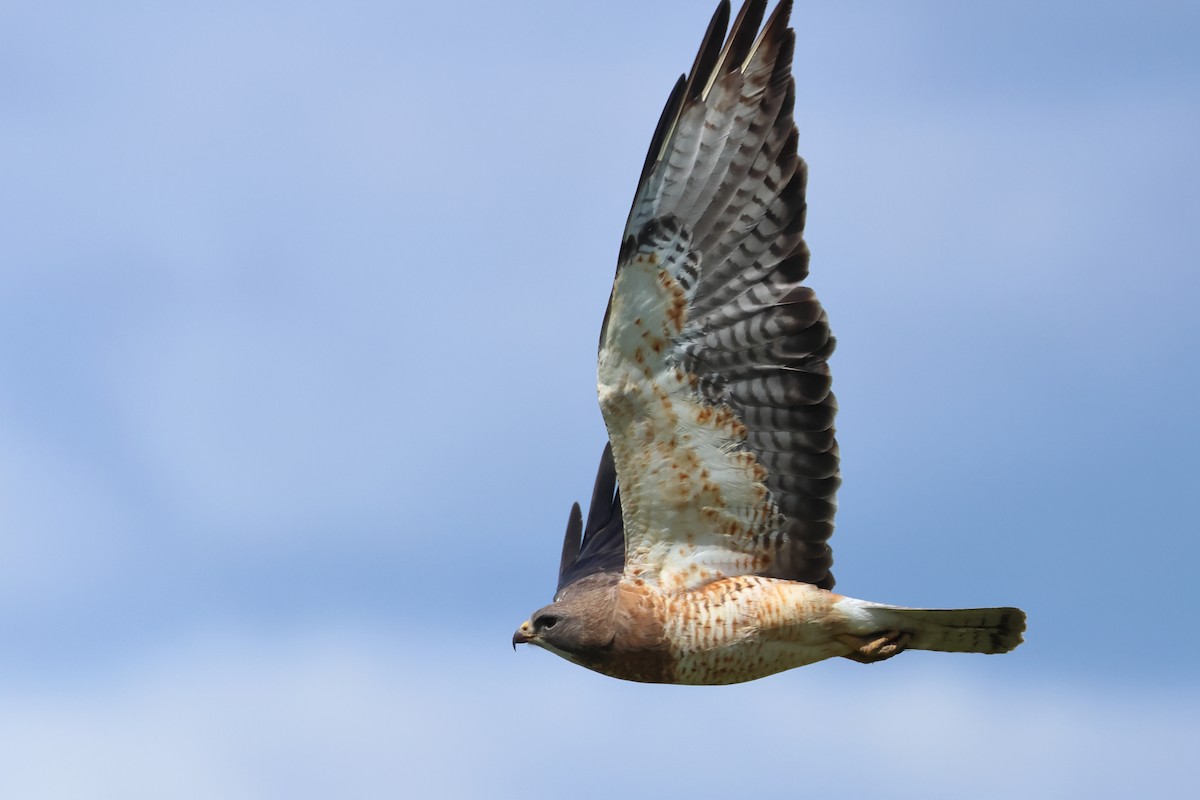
704,558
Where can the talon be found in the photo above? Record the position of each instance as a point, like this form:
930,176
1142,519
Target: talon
878,647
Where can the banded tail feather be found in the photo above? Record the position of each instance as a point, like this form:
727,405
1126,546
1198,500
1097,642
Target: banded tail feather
953,630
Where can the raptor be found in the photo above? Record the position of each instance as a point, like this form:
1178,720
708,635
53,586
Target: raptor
705,557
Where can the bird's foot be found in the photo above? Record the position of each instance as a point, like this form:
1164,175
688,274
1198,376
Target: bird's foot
876,646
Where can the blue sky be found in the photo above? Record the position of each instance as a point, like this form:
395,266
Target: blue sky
298,311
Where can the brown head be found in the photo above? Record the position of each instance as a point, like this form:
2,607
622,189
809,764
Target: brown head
580,625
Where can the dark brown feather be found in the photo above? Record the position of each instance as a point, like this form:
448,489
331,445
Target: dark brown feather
710,49
598,547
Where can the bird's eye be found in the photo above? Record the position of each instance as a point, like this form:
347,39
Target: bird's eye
545,623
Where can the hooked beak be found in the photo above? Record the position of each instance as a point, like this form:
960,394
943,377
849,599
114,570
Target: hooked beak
523,635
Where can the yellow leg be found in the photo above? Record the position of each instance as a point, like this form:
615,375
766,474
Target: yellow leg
875,647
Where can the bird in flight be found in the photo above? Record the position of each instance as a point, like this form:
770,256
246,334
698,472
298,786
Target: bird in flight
705,558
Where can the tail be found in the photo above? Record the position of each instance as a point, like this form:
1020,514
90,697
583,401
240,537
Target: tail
954,630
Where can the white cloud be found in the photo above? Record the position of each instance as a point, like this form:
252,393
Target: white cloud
354,715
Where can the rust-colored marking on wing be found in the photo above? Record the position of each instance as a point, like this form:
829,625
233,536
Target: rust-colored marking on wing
686,480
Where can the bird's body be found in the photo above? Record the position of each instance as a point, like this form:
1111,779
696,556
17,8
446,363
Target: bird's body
727,631
746,627
710,565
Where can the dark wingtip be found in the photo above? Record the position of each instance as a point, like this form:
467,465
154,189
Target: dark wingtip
571,540
742,35
710,50
777,23
782,12
600,510
665,120
601,546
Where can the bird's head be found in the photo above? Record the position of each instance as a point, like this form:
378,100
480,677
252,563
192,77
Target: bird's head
563,630
575,627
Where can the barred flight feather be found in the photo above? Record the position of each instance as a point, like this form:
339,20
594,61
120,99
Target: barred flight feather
712,374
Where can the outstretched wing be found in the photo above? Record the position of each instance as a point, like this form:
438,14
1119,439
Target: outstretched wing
712,367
